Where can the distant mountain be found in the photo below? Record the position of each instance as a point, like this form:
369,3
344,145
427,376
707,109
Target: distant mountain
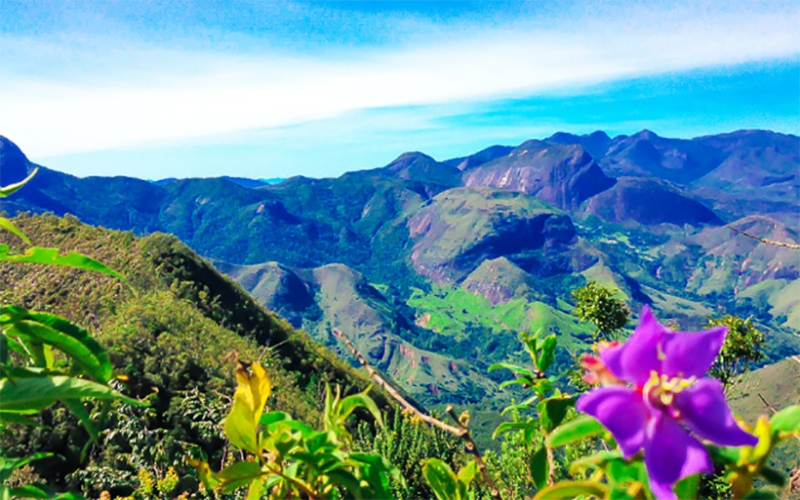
463,227
335,297
440,263
479,158
564,176
649,201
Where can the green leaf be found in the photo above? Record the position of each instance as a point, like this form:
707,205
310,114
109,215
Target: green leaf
441,479
350,403
521,380
7,465
467,473
724,456
572,489
204,472
577,429
510,426
39,393
597,459
240,429
540,468
348,481
69,338
553,410
39,255
79,410
34,491
773,476
761,495
548,353
238,475
518,370
274,416
17,418
8,226
12,188
786,420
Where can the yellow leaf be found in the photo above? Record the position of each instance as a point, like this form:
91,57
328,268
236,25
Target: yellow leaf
251,395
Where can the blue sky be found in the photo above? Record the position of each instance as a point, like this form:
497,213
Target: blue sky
273,89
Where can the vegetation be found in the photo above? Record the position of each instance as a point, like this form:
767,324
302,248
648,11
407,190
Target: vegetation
597,305
743,347
133,402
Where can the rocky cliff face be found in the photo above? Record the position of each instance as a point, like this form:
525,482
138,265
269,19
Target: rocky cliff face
464,226
564,176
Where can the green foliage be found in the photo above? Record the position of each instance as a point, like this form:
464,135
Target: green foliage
405,441
287,457
598,305
744,345
30,378
447,485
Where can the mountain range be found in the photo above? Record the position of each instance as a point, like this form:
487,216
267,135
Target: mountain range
431,267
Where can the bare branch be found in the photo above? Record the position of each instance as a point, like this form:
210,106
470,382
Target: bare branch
764,240
461,431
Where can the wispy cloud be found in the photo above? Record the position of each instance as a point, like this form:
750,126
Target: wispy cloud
71,92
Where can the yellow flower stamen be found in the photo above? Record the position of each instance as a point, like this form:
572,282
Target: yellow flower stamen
662,389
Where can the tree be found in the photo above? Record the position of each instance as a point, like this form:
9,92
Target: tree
597,304
743,346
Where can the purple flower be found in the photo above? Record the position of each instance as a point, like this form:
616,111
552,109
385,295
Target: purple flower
667,405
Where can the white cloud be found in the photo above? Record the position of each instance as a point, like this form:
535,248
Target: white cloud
93,94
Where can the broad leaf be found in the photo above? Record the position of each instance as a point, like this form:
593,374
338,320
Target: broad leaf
251,395
207,476
8,226
441,479
238,475
350,403
553,410
51,256
572,489
7,465
511,426
577,429
39,393
548,352
71,339
79,410
540,468
13,188
787,420
518,370
773,477
274,416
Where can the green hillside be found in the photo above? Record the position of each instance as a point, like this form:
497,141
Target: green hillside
175,334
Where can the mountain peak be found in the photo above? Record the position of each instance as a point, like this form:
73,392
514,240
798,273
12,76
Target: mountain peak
645,135
13,162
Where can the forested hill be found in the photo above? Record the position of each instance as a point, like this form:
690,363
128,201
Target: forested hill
175,334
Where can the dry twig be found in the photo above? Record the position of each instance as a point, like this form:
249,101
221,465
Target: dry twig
764,240
461,431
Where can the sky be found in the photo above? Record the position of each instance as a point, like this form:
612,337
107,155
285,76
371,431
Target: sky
264,89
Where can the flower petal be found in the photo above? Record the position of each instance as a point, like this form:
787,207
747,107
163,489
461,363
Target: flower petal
638,357
622,411
670,454
691,354
704,410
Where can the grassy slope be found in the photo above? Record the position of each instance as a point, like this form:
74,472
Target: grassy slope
779,385
178,330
